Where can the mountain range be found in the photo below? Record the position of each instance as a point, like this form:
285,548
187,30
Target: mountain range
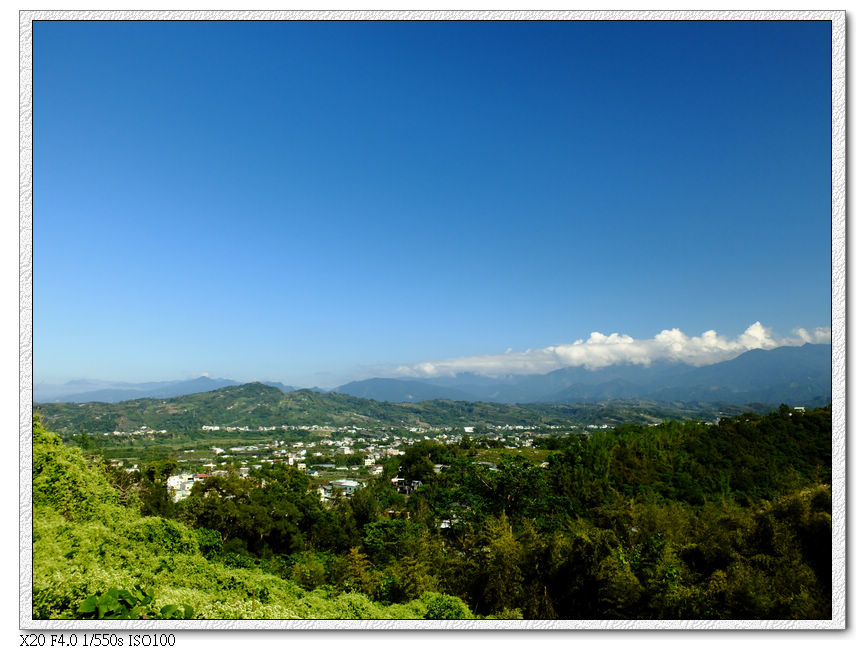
83,390
796,375
800,375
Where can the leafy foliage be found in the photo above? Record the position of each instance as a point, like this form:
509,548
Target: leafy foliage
118,603
82,551
134,603
680,520
62,479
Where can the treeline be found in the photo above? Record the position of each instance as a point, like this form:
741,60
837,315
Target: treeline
680,520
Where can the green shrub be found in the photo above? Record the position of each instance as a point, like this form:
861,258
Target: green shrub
63,480
309,572
442,606
209,542
162,535
354,606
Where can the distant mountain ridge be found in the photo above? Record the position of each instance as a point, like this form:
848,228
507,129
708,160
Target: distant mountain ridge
399,390
122,391
800,375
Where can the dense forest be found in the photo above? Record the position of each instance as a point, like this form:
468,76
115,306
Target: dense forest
681,520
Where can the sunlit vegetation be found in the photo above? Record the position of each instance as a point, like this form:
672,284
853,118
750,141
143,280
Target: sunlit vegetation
683,520
92,547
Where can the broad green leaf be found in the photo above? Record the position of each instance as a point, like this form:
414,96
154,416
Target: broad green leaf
88,606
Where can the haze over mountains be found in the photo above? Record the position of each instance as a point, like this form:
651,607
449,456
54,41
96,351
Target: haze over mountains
786,374
96,391
800,375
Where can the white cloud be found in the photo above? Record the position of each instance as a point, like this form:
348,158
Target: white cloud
601,350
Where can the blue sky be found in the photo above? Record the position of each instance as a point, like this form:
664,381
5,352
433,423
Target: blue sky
317,202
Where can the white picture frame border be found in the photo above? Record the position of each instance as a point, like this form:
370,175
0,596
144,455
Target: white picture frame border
838,258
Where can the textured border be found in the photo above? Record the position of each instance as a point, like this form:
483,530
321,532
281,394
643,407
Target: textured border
25,319
839,332
839,320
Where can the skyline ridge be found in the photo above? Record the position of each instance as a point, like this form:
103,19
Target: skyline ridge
623,379
597,351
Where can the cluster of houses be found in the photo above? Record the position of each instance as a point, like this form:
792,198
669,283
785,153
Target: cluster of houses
181,485
325,457
140,431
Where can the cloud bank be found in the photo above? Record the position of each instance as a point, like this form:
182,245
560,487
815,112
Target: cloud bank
601,350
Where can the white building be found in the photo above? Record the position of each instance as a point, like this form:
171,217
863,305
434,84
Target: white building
346,486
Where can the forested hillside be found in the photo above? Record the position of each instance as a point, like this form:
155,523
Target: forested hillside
262,405
679,520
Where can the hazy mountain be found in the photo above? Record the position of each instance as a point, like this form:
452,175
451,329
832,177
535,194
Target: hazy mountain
121,391
796,375
277,384
565,384
88,390
401,390
800,375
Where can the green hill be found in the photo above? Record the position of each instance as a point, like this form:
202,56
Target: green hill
258,404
